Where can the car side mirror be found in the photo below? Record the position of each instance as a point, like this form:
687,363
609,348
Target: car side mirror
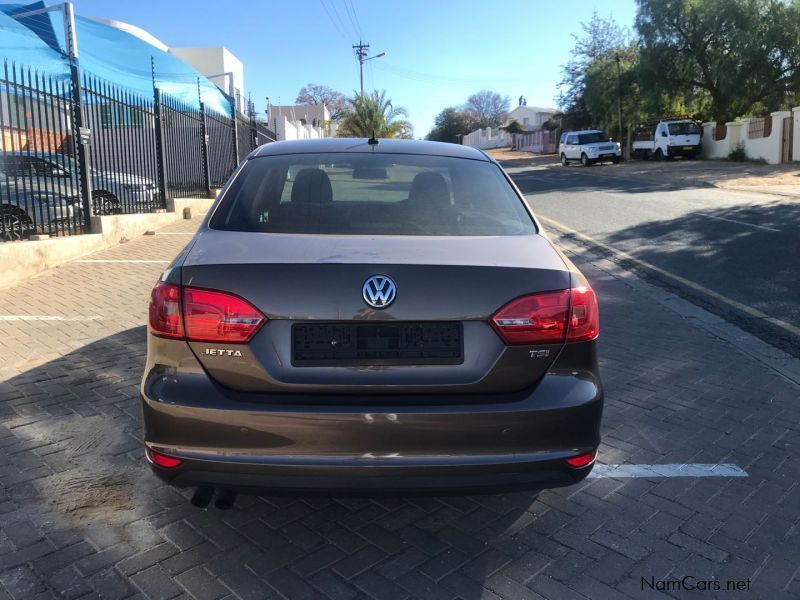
663,134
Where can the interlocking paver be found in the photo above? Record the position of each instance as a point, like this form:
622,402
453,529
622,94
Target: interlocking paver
80,514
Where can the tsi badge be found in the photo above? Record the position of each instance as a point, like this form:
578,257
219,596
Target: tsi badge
539,353
222,352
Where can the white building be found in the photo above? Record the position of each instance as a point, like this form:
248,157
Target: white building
220,66
301,121
530,117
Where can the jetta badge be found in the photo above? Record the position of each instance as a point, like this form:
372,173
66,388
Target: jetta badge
379,291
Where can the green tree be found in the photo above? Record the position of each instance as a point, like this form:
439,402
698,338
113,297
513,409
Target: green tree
375,114
730,57
600,40
514,127
489,108
452,123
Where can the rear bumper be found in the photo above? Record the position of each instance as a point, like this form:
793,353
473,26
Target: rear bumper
349,444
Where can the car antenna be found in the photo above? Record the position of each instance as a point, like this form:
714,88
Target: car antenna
373,141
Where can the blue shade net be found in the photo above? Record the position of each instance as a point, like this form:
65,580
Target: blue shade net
38,41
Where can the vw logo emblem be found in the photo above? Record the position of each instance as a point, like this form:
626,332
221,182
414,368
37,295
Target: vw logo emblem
379,291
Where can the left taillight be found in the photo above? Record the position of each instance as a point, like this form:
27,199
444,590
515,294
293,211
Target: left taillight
202,315
165,311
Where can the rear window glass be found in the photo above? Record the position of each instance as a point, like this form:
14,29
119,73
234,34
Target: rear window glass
683,128
371,194
591,138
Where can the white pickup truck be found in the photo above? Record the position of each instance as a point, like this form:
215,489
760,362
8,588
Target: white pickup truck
669,138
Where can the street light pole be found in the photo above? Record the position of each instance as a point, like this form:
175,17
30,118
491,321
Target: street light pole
361,54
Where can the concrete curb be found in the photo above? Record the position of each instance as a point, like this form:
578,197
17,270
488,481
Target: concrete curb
26,259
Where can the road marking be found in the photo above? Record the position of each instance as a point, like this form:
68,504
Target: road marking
109,260
653,471
748,310
47,318
739,222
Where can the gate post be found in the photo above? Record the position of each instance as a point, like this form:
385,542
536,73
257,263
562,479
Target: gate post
161,164
204,150
81,145
235,138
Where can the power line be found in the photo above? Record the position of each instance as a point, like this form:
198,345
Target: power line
336,12
354,17
339,29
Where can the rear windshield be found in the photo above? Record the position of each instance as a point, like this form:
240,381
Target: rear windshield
683,128
372,194
592,138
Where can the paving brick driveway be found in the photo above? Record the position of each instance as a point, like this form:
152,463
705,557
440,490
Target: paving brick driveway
81,516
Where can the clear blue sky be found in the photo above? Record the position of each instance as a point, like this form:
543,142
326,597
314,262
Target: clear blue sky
438,52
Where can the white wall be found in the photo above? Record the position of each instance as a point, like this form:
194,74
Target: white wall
768,148
294,130
487,138
536,116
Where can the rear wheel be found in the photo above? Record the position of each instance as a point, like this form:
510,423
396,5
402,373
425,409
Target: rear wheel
105,203
15,223
564,161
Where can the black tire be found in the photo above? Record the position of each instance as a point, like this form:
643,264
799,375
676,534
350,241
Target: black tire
616,160
659,154
585,160
105,203
564,161
15,223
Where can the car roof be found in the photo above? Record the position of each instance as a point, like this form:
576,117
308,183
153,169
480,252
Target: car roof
384,146
586,131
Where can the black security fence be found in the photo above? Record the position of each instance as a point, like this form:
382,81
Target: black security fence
39,190
75,147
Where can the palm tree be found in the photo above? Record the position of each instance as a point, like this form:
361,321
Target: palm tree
375,113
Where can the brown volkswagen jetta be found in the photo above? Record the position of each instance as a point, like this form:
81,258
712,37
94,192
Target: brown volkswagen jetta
371,315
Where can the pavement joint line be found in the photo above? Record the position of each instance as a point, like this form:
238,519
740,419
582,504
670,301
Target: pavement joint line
121,260
775,359
668,470
749,310
48,318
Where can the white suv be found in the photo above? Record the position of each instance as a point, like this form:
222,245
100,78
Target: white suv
589,147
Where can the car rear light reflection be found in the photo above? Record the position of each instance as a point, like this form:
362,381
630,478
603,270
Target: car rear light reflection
549,318
162,460
202,315
582,460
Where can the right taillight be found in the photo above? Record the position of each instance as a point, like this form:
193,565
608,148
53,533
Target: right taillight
549,318
199,315
584,319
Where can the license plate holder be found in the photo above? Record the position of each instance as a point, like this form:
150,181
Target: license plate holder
377,344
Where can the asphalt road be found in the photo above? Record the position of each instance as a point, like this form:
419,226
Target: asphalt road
734,253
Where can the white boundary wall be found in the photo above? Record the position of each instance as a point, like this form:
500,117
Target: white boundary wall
767,148
487,138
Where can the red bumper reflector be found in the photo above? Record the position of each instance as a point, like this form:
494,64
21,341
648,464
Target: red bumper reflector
582,460
162,460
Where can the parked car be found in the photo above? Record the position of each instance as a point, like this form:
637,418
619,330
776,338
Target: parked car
414,329
58,174
23,213
668,138
588,147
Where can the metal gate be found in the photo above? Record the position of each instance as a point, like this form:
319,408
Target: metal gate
787,140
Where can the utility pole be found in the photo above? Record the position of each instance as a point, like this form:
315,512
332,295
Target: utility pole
619,100
361,54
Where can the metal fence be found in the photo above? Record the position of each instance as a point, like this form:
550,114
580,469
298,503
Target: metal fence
74,147
760,127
